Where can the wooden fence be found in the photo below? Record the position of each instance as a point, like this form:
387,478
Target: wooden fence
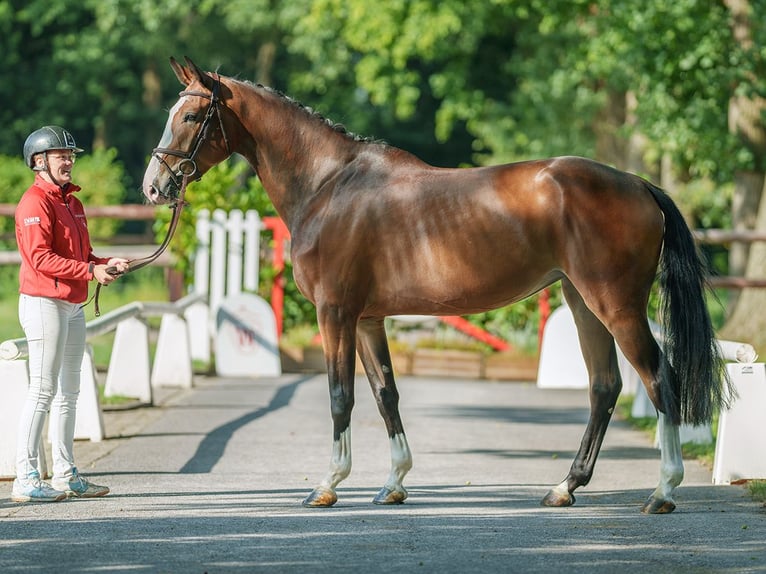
724,237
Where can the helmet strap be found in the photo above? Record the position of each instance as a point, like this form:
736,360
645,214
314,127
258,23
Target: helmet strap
46,168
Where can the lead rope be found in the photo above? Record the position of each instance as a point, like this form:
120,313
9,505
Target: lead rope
136,264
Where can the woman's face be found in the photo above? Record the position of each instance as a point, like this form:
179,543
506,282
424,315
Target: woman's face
60,163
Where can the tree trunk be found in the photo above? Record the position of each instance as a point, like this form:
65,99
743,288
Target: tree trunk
610,144
748,186
152,98
747,322
746,110
265,63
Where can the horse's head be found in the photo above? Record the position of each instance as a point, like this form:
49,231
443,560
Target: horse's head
194,139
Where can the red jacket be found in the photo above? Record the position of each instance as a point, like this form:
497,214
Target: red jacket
52,235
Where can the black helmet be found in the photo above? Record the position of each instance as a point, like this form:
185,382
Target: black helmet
46,138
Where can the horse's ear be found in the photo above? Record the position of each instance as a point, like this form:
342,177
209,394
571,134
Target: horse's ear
187,74
198,74
181,73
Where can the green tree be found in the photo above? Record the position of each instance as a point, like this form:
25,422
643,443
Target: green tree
674,90
648,88
747,115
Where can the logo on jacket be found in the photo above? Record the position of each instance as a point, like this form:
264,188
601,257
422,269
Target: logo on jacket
32,220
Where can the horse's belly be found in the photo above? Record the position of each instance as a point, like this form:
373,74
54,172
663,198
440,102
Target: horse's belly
454,291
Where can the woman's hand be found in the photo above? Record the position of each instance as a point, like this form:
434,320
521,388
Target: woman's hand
115,267
119,263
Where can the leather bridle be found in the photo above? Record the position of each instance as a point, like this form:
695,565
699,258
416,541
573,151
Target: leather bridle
188,166
186,170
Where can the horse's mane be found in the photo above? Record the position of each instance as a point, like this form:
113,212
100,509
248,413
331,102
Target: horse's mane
339,128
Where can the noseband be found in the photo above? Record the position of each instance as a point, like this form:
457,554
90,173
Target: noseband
187,167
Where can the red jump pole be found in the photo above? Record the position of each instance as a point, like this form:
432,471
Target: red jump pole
544,304
281,234
476,332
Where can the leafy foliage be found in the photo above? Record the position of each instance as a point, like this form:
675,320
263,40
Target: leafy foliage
456,83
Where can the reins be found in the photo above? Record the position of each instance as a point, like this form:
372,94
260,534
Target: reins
136,264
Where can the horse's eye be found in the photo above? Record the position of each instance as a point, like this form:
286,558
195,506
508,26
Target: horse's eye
190,117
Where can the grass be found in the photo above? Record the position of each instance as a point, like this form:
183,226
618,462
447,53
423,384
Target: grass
9,317
757,490
114,400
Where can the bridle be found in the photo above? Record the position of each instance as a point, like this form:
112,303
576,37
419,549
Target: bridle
187,168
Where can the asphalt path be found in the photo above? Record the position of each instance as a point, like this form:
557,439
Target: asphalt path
211,480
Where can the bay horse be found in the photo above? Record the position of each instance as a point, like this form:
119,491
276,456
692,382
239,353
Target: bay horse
378,232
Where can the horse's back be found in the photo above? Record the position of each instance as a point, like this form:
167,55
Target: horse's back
437,240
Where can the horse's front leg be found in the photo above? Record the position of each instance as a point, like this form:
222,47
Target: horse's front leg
373,350
339,341
671,468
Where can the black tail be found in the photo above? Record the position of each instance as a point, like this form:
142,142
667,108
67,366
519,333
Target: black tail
696,383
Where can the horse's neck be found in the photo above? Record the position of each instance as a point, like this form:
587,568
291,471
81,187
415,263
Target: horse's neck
292,151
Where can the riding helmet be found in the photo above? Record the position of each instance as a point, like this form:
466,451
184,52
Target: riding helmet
47,138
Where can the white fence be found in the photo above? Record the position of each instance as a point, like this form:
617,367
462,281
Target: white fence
237,321
225,263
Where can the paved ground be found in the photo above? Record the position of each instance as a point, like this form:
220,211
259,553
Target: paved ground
211,480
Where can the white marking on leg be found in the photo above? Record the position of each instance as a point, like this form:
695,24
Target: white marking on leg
562,489
340,464
401,462
671,458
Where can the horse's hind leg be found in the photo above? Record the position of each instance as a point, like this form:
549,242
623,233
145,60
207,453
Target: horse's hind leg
373,350
671,468
643,352
605,383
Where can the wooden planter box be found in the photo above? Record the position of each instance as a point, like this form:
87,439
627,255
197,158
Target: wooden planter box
311,360
426,363
302,360
510,367
447,363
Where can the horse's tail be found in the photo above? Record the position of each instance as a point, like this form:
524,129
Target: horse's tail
697,383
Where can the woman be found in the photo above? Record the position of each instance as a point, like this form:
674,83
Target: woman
57,263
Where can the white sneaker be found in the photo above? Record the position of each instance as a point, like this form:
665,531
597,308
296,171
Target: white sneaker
79,486
32,489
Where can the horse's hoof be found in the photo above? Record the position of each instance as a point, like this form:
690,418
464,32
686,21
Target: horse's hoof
388,496
658,506
320,497
558,498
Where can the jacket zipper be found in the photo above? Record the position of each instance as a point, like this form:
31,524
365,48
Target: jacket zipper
76,225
